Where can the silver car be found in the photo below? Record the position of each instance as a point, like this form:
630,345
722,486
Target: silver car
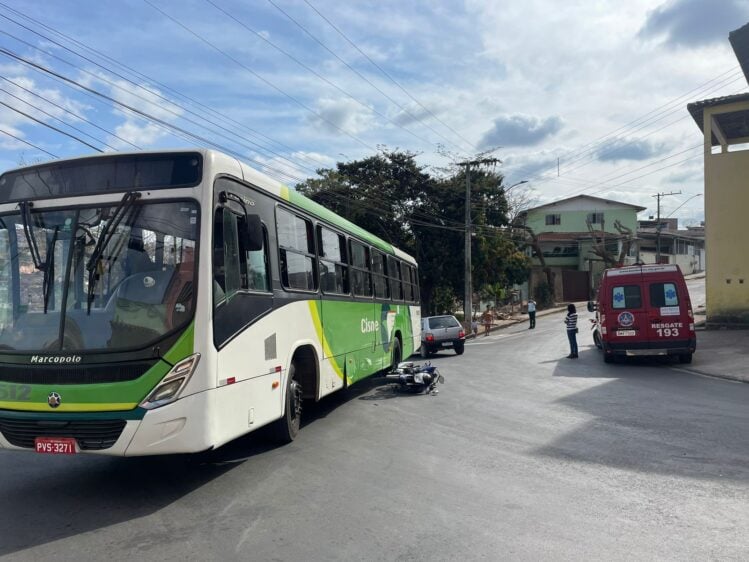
440,332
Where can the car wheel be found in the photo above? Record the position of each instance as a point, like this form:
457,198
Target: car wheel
424,351
459,348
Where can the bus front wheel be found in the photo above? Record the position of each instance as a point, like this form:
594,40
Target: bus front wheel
285,429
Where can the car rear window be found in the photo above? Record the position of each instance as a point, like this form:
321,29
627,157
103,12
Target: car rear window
443,322
626,296
663,294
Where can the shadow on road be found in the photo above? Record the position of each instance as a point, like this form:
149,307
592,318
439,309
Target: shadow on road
649,418
47,498
52,498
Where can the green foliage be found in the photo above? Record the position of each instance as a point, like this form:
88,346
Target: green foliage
543,295
443,300
393,197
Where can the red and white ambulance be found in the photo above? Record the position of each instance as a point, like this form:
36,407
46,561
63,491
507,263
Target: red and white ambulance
644,310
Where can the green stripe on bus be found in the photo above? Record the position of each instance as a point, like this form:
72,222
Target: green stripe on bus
66,407
136,414
327,352
104,396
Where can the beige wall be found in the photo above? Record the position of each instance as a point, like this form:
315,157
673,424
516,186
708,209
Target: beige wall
726,213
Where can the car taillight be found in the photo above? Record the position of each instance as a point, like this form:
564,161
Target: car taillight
429,337
461,334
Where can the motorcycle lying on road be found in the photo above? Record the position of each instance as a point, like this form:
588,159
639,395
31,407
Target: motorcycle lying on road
416,378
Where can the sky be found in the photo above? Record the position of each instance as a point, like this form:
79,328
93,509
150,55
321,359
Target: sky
581,97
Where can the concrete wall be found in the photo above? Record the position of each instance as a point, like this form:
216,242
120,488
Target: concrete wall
726,207
688,264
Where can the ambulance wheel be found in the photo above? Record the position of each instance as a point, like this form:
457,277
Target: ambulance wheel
608,357
597,340
685,358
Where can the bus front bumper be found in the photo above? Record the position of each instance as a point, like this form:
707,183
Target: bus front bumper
180,427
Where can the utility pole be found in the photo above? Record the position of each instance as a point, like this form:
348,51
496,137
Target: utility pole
468,295
658,224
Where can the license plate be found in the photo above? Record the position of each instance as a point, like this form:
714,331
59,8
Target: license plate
56,445
626,333
446,344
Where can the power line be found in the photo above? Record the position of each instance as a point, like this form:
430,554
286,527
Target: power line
151,102
360,75
28,143
50,126
317,74
39,109
393,80
142,76
142,114
58,106
647,117
259,77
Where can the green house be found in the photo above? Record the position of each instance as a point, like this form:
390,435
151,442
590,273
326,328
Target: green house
567,234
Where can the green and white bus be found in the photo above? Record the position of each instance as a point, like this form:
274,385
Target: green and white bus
171,301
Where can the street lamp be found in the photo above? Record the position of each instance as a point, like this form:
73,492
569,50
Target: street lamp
506,189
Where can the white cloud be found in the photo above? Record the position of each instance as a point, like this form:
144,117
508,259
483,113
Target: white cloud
336,115
141,134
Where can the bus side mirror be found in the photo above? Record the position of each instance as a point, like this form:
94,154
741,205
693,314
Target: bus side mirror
592,306
253,233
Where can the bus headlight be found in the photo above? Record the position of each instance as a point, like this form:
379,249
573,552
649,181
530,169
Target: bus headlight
172,384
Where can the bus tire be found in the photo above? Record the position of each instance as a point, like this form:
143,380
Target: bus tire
397,354
285,429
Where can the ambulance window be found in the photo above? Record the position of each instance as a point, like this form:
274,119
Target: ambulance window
627,296
663,294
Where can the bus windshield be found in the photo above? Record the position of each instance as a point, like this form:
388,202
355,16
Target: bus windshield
138,286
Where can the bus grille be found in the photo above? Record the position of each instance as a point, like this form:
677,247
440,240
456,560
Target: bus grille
91,435
68,374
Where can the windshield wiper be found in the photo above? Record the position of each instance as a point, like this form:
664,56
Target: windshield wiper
107,233
28,230
49,267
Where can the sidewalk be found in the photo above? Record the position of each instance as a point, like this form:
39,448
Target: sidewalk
720,353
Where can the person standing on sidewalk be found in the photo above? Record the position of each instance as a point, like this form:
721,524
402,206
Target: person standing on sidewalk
487,320
532,313
571,322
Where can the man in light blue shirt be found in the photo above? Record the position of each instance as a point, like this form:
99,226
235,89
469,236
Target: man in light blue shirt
532,313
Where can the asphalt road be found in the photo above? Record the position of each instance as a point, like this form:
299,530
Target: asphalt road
523,455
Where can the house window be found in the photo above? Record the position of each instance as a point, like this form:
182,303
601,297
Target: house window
595,218
553,219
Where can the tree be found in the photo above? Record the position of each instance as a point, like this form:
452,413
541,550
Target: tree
390,195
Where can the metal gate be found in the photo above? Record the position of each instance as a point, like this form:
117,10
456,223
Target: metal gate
575,285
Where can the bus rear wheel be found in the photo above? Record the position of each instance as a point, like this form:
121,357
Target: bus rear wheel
284,430
397,354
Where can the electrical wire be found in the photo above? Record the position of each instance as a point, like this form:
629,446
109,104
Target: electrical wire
393,80
364,78
227,119
28,143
